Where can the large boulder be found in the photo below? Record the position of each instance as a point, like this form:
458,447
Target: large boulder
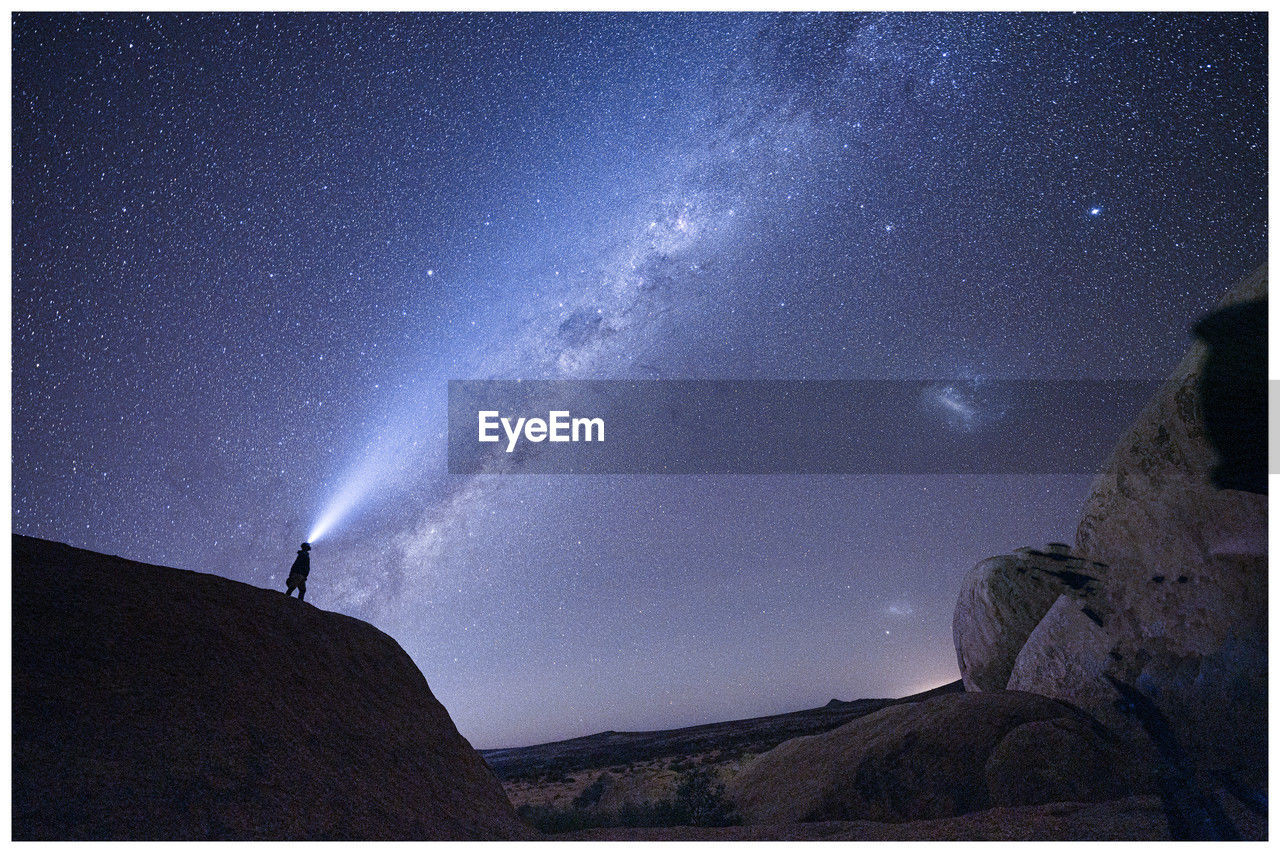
1183,597
1001,601
1187,561
941,757
153,703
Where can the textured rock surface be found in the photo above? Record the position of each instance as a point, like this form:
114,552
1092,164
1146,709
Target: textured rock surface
934,759
1185,586
1002,600
153,703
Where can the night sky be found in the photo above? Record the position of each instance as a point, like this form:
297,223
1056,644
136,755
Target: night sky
250,251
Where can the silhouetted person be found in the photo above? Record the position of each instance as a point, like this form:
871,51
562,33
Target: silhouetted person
298,572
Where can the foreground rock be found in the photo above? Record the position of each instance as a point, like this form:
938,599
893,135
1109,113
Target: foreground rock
1002,600
942,757
153,703
1130,819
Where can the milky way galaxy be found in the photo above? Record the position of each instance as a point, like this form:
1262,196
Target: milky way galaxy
250,251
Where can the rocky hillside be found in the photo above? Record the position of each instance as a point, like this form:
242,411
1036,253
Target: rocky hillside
154,703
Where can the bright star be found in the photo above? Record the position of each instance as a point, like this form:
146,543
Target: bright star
1095,211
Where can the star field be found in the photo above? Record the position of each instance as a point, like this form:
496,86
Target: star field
250,250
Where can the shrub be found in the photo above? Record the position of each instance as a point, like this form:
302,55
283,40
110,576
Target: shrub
699,801
591,794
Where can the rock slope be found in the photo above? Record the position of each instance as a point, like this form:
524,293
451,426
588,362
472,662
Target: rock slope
946,756
154,703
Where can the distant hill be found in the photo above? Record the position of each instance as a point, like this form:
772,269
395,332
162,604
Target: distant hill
155,703
755,735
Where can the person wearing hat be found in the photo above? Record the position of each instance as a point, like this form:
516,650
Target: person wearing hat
298,572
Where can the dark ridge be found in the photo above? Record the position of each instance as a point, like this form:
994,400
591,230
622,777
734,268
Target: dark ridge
757,734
